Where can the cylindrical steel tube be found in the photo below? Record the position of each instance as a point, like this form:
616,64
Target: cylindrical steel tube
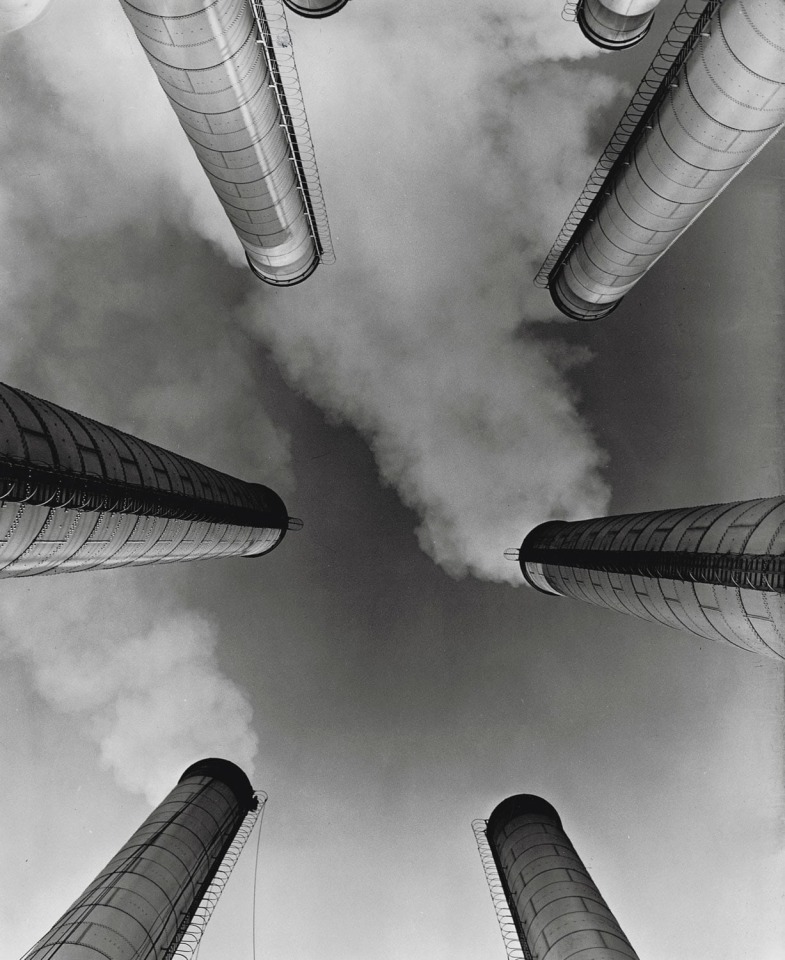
558,911
724,104
615,24
76,494
716,571
141,902
315,8
211,65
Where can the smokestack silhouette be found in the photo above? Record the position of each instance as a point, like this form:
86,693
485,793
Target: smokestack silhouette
218,62
716,571
76,495
147,899
557,912
315,8
721,99
615,24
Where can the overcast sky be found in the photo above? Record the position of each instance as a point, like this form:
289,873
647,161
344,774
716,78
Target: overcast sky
383,675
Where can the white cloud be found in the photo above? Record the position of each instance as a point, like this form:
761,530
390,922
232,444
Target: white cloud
139,672
449,164
448,171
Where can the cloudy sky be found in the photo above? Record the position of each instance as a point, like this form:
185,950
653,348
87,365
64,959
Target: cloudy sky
383,675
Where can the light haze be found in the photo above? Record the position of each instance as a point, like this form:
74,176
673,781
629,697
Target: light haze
420,406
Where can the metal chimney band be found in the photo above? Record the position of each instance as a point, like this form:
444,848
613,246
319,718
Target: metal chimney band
39,486
749,571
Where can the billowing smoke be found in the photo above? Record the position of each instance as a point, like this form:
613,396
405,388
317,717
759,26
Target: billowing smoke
139,672
115,306
120,155
451,151
455,162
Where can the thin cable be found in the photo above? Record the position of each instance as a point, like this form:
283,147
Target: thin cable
255,879
195,955
189,942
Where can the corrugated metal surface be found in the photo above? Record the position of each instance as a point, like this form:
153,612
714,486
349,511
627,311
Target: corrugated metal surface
717,571
615,24
210,60
560,912
77,494
139,904
708,119
315,8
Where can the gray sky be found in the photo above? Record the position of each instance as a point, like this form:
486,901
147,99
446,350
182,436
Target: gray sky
419,405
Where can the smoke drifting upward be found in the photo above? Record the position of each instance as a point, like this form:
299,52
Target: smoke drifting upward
448,171
123,157
114,306
451,147
140,673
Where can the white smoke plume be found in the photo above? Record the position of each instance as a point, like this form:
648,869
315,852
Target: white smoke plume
111,308
451,150
140,673
457,159
116,115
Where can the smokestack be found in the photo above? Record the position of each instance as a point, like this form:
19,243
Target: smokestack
147,900
315,8
228,72
555,908
715,571
76,494
615,24
717,99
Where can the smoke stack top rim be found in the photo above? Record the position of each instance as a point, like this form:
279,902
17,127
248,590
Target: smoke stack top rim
578,308
609,43
228,773
520,804
274,281
534,534
326,11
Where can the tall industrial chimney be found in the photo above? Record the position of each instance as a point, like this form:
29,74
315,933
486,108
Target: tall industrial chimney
716,571
150,898
705,108
315,8
76,495
557,912
221,63
615,24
